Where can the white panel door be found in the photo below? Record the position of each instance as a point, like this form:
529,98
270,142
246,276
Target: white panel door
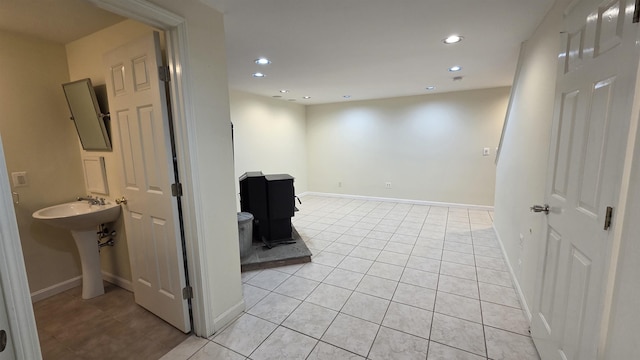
138,108
594,95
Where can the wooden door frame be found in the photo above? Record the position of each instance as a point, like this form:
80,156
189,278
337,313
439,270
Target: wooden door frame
182,109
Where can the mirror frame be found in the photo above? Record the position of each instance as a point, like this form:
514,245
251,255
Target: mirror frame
89,121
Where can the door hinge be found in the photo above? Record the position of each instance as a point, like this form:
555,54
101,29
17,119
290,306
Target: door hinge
176,189
164,74
607,218
187,292
636,13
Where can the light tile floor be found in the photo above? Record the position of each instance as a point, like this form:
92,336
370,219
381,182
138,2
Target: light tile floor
387,281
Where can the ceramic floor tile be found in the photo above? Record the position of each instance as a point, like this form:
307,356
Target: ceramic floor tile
329,296
458,270
310,319
495,277
296,287
268,279
458,258
351,334
393,258
427,252
464,239
409,319
359,232
284,344
379,235
408,230
415,296
252,295
355,264
442,352
386,271
458,247
458,333
366,307
324,351
487,251
340,248
392,344
288,269
424,264
274,307
403,239
373,243
504,345
458,286
505,318
344,278
235,336
328,259
376,286
482,241
499,295
249,274
350,239
420,278
458,306
491,263
363,252
435,243
399,248
313,271
215,351
327,236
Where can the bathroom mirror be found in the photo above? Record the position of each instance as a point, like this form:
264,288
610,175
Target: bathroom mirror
85,112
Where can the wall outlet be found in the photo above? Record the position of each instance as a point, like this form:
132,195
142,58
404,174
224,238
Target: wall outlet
19,179
387,185
486,151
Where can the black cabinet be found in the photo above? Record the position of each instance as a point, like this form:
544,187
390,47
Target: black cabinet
270,198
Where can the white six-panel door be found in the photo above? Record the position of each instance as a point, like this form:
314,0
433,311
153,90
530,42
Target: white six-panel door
138,108
594,94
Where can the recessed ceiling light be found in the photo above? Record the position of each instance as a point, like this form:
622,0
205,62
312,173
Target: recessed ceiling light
306,97
452,39
284,91
346,96
455,68
258,75
263,61
430,88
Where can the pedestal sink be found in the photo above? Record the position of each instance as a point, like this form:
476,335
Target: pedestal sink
83,218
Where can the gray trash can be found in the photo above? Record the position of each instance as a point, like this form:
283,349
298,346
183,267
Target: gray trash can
245,232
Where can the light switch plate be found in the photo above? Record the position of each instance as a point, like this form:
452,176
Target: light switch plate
19,179
486,151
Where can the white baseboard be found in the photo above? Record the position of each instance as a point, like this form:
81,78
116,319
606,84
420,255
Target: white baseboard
403,201
226,317
514,279
56,289
75,282
117,281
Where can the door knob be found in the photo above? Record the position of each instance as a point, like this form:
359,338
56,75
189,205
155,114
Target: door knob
540,208
122,200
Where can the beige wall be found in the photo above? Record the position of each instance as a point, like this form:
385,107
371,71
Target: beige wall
84,57
269,136
40,139
428,147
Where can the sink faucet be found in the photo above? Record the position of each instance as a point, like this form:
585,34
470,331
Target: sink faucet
91,200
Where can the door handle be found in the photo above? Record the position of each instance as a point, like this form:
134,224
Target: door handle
540,208
122,200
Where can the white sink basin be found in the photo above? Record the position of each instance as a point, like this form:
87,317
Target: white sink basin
83,219
78,215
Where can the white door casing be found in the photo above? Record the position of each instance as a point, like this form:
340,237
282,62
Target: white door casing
138,109
594,96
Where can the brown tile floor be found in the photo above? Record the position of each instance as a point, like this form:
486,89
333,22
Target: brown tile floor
111,326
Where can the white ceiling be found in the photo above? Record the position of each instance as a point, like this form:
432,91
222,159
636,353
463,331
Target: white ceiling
329,48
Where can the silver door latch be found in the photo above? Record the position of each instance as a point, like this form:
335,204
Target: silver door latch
540,208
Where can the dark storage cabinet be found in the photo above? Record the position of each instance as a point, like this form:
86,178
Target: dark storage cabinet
270,198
